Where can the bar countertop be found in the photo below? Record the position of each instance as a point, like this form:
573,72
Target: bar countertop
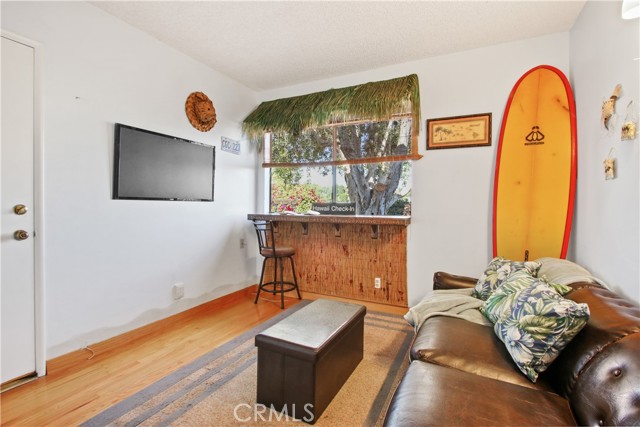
334,219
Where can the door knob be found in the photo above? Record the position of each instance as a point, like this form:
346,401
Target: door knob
21,235
20,209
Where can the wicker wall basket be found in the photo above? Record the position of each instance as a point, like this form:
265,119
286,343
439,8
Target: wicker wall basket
200,111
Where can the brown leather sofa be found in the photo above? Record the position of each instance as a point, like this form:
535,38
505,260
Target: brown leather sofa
461,374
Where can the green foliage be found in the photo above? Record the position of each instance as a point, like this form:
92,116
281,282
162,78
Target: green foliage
399,206
342,195
312,145
323,192
299,198
287,176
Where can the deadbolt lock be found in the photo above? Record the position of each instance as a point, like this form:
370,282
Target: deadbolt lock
20,209
21,235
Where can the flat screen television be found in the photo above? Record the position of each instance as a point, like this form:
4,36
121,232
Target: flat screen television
153,166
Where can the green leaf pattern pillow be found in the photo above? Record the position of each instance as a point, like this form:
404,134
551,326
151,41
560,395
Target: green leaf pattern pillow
538,325
497,271
503,298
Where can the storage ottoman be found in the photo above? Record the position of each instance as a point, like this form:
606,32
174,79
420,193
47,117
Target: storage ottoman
304,360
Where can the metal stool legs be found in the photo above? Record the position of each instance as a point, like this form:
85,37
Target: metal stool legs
267,245
282,284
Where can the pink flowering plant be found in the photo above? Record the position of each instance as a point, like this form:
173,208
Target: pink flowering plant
293,198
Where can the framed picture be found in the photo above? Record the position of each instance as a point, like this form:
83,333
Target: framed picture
460,131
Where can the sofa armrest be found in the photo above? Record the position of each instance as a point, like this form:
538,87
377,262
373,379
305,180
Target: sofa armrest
442,280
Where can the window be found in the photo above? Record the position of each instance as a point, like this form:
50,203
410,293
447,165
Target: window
357,162
343,143
319,149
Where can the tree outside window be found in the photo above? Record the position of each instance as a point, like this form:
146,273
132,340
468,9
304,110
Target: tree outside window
324,165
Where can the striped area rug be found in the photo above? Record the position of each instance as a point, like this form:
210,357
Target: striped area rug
219,388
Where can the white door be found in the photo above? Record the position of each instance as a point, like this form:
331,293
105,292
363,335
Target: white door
17,226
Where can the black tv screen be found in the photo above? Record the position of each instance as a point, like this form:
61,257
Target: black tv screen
152,166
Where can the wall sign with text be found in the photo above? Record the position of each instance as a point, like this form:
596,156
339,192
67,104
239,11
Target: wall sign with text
335,208
229,145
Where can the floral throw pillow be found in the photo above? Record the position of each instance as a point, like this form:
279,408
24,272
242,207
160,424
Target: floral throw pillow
497,271
503,298
538,325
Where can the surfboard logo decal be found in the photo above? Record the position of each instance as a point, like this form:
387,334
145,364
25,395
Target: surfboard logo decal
535,137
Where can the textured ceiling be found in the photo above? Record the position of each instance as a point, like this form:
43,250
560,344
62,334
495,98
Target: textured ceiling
269,44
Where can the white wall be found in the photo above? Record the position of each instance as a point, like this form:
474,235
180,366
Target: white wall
604,52
452,189
110,264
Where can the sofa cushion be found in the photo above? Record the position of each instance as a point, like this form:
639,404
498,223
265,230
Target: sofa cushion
469,347
431,395
538,324
564,272
497,271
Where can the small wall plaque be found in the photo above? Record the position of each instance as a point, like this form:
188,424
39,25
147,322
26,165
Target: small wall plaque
229,145
335,208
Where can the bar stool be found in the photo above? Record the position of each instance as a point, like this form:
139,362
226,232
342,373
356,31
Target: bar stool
267,245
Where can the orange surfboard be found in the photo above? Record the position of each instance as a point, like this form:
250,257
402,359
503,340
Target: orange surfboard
535,177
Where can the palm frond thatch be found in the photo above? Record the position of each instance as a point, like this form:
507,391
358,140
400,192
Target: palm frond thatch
374,101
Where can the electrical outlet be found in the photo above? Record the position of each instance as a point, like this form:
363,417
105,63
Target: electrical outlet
377,283
177,291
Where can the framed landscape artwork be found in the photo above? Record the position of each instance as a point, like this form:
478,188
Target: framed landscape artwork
460,131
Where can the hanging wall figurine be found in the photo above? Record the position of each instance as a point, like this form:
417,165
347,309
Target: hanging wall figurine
610,166
608,106
630,124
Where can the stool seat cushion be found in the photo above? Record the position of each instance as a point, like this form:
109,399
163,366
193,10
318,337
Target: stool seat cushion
281,251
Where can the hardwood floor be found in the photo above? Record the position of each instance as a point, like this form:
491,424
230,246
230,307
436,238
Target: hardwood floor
79,386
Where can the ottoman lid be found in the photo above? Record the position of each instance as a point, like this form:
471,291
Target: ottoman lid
311,328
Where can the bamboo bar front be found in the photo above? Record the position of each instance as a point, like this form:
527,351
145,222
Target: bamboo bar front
342,255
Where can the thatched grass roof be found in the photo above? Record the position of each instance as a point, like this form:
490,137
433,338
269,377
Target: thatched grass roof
372,101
